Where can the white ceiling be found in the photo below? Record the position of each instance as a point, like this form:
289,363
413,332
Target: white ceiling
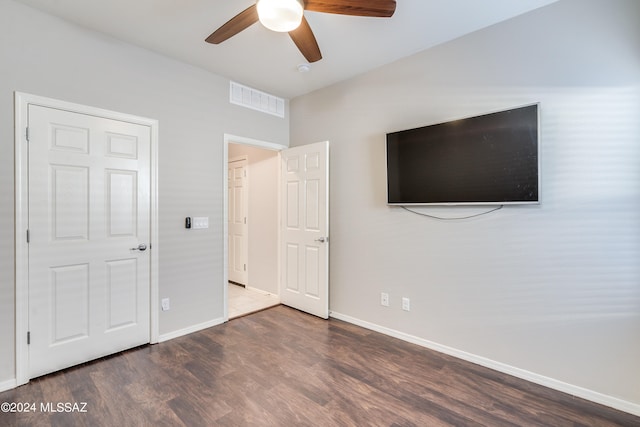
268,61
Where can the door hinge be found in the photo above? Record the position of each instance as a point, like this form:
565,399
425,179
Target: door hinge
245,219
28,338
28,236
245,267
27,134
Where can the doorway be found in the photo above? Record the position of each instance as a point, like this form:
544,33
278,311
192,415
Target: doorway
252,227
302,226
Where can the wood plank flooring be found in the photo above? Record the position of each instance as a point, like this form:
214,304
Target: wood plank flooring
280,367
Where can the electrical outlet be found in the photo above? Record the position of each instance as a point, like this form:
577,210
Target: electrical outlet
165,304
384,299
406,304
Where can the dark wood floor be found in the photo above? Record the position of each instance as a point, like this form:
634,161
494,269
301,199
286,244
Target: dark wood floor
280,367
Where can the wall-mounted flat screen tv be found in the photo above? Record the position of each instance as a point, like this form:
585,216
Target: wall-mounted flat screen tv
491,159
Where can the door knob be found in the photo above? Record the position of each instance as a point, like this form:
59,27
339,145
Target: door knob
141,247
322,239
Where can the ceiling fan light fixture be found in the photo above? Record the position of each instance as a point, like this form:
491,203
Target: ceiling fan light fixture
280,15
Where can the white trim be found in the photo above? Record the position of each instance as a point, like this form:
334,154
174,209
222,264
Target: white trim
253,142
574,390
191,329
22,253
262,292
8,385
21,104
155,235
228,138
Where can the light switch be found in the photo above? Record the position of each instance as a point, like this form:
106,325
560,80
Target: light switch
200,222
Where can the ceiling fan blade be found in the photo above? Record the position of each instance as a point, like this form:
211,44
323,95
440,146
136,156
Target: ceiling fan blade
305,40
241,21
374,8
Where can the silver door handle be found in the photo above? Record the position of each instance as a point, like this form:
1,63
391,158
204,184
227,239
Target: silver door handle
141,247
322,239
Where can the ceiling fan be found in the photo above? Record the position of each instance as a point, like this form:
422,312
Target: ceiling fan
287,16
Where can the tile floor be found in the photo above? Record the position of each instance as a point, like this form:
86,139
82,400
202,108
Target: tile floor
243,301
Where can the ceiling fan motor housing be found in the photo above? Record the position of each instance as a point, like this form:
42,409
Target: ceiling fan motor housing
280,15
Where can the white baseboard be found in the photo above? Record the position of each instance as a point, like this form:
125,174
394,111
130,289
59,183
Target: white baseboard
189,330
593,396
260,291
8,385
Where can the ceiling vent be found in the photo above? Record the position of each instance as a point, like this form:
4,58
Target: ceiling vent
256,100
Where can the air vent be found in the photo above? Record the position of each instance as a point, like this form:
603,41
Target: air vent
256,100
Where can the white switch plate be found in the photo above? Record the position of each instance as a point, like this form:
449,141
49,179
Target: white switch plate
200,222
165,304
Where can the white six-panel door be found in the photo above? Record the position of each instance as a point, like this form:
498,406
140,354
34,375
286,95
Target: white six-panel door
89,212
305,228
238,227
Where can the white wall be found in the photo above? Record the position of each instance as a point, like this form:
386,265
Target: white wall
45,56
262,216
552,289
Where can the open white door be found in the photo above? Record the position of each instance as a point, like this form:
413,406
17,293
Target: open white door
305,228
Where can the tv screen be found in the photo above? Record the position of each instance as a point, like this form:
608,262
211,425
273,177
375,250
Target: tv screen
487,159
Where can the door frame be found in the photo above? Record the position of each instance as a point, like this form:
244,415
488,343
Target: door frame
266,145
21,105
